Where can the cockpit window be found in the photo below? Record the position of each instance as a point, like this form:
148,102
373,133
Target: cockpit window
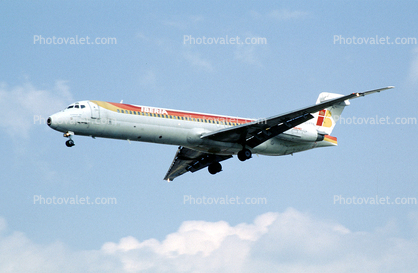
77,106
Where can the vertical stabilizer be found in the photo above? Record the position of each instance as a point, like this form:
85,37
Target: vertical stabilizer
326,119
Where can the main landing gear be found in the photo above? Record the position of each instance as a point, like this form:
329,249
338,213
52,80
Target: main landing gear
70,141
244,154
214,168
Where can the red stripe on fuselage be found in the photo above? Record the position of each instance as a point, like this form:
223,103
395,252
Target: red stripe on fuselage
181,113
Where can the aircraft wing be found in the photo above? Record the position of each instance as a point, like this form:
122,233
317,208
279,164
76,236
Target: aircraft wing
191,160
254,133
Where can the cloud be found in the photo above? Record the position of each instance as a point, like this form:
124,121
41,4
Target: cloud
183,24
280,14
247,54
24,105
194,59
285,14
291,241
413,69
142,37
251,53
148,78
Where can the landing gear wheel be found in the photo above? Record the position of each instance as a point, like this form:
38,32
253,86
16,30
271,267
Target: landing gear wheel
214,168
69,143
244,154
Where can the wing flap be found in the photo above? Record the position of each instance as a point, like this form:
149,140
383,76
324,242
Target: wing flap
191,160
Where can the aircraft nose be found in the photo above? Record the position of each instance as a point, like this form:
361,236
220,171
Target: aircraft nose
53,121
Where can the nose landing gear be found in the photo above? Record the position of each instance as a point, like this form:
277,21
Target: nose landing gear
70,141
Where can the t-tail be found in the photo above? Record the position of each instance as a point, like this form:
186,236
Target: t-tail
326,119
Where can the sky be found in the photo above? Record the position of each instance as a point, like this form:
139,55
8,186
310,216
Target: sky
314,211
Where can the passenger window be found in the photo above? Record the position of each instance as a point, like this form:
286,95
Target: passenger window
123,111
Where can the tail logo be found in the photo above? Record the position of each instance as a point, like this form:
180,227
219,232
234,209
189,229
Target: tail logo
324,118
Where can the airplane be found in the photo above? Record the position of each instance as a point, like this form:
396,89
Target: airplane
205,140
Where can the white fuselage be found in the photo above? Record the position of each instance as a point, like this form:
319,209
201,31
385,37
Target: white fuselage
165,126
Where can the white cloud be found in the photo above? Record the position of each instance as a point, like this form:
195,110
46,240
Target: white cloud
280,14
285,14
275,242
247,54
196,60
184,24
22,105
256,15
148,78
251,53
141,36
413,69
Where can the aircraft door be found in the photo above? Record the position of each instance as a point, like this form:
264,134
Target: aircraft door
95,110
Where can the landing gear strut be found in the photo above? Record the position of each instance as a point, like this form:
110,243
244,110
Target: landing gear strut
214,168
244,154
70,141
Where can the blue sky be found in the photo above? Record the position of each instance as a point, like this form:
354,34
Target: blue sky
150,228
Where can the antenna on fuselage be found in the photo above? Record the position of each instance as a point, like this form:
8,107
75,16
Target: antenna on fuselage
121,101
